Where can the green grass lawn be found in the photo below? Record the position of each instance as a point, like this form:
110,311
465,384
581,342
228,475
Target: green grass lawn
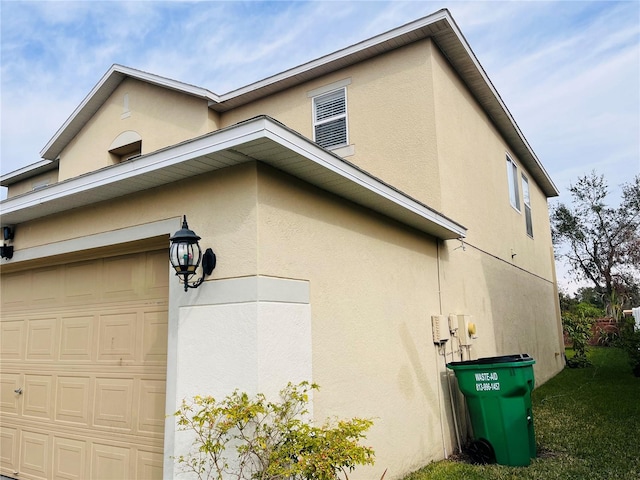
587,424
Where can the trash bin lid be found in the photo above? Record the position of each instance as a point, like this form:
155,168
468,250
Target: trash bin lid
520,357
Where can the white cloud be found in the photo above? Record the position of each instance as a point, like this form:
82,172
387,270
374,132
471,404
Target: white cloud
568,71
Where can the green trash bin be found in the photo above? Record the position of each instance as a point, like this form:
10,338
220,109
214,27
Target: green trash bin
498,393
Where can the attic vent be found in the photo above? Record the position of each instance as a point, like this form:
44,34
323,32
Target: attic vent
330,118
126,146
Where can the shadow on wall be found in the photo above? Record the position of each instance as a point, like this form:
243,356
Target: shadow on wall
514,310
524,316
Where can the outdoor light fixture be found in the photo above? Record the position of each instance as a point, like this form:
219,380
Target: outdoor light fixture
6,251
7,233
185,256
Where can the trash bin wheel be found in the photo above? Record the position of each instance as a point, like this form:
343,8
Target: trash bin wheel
481,452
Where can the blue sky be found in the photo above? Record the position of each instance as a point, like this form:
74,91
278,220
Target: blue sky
568,71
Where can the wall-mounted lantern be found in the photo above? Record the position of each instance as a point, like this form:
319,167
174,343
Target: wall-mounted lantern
6,251
185,256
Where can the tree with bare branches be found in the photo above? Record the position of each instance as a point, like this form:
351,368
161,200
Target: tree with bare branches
601,243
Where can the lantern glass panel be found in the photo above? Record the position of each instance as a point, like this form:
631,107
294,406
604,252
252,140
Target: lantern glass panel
185,257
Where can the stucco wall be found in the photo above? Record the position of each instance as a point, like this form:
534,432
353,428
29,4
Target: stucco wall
390,118
472,158
162,117
373,289
503,277
220,207
28,185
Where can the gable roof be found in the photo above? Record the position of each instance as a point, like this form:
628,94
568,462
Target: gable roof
259,139
439,26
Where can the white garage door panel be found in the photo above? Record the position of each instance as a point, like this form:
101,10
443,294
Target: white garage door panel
85,346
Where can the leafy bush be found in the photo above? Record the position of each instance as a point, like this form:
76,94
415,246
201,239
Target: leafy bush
272,441
578,329
607,338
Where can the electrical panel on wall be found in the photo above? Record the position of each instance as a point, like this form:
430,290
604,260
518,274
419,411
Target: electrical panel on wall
440,327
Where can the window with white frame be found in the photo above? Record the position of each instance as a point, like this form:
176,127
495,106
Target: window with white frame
512,175
527,205
330,119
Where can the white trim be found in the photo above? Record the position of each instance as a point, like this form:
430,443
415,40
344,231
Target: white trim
219,140
250,289
125,138
512,183
353,50
127,177
438,26
116,74
99,240
526,204
27,172
354,174
328,88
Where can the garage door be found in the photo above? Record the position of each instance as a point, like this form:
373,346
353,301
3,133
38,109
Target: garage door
82,374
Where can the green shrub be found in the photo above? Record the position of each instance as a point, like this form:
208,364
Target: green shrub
607,338
269,441
578,328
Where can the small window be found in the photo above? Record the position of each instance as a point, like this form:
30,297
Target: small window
512,175
330,119
527,205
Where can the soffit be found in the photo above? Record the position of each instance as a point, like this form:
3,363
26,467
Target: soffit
260,139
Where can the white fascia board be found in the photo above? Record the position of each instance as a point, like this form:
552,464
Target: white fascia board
78,109
27,172
463,41
167,82
349,171
409,29
219,140
372,43
345,52
106,86
257,128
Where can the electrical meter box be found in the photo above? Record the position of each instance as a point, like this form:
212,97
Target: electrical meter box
466,329
440,327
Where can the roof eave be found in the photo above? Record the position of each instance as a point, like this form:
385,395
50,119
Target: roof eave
98,95
442,28
29,171
260,139
438,26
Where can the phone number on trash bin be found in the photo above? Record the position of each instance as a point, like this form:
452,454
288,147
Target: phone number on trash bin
484,385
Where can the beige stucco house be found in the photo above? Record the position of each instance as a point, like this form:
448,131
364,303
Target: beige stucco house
348,200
